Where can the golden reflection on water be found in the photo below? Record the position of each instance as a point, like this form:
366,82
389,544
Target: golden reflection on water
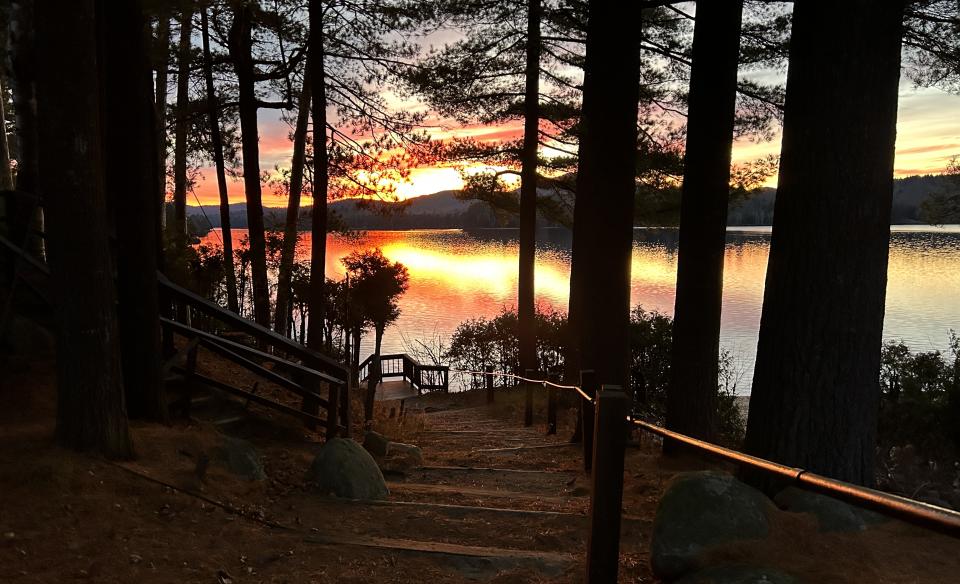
456,275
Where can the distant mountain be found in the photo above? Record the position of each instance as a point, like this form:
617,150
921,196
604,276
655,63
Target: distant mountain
908,194
443,210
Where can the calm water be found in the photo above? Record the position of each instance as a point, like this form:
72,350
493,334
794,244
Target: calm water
456,275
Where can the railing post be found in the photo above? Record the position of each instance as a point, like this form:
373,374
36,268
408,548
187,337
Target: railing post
588,383
445,373
528,398
606,496
345,407
489,381
551,410
332,399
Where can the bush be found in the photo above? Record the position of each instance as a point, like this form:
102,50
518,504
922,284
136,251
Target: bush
920,400
480,342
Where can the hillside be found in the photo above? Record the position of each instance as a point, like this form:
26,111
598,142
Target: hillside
443,210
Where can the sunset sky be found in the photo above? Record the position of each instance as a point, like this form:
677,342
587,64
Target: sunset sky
928,134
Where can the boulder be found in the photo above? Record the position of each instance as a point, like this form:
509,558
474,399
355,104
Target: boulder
702,509
738,575
241,458
376,444
345,469
832,514
403,457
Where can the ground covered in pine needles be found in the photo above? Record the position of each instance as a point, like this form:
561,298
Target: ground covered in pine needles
485,506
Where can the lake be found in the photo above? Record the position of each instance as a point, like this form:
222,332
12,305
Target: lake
456,275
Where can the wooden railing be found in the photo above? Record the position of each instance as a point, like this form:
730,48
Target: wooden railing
307,371
421,377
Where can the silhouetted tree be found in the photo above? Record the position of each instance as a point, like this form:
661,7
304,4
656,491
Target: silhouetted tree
376,285
130,166
815,387
692,400
282,313
90,408
606,185
182,128
216,147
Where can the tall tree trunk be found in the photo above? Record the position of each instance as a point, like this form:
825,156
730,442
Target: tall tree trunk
375,373
161,53
91,414
288,252
22,213
815,386
692,398
241,44
318,223
606,187
526,309
179,231
6,176
130,165
216,143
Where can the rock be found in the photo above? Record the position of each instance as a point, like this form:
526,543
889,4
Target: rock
702,509
832,514
738,575
402,457
345,469
376,444
241,458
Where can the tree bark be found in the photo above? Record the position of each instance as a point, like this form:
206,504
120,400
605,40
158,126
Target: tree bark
91,414
6,176
606,188
318,223
526,302
23,215
291,227
241,44
216,143
130,165
815,387
179,231
161,54
692,398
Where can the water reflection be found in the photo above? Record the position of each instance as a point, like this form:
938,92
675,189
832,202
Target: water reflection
456,275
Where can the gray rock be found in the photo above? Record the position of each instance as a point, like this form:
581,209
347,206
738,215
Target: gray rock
738,575
402,457
241,458
832,514
376,444
345,469
702,509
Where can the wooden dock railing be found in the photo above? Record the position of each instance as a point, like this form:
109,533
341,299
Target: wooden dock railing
421,377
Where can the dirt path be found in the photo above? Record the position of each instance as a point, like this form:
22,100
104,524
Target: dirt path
493,502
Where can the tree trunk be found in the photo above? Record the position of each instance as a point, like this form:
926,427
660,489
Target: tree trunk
6,176
288,252
375,373
606,187
91,414
241,43
162,54
179,231
216,143
692,398
815,387
130,164
526,309
318,223
22,213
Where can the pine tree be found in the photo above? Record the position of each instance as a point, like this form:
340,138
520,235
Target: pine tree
815,387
